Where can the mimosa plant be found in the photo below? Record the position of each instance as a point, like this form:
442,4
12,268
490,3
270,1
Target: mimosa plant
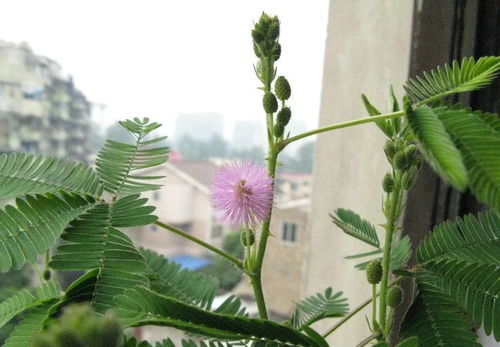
86,211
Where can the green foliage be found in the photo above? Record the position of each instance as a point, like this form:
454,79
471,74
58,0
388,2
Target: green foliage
352,224
317,307
23,173
436,319
31,324
445,80
117,161
475,239
79,326
141,306
94,242
31,228
436,146
479,145
26,299
132,342
383,125
167,278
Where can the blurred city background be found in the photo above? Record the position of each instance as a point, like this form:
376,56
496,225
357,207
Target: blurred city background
70,70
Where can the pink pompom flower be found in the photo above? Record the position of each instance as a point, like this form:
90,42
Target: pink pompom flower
242,194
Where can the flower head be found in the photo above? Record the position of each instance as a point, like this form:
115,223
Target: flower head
242,194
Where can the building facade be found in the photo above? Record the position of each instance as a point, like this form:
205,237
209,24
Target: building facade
41,111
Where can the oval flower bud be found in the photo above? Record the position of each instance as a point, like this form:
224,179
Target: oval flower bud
282,88
270,103
374,271
284,116
394,296
247,237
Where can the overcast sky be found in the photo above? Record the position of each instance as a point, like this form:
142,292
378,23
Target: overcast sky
161,58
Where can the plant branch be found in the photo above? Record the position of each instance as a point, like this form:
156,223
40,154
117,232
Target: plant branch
216,250
348,124
368,339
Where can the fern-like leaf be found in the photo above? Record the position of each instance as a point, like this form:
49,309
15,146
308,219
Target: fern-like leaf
445,80
479,145
31,228
232,306
94,242
317,307
117,161
352,224
141,306
474,286
26,299
436,319
436,146
475,239
169,279
33,323
22,174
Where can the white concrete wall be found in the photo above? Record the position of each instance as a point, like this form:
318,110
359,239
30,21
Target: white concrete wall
367,48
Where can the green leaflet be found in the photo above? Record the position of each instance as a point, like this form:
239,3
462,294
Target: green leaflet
141,306
317,307
436,146
352,224
167,278
94,242
479,145
474,286
22,173
32,324
31,228
436,319
445,80
117,161
475,239
26,299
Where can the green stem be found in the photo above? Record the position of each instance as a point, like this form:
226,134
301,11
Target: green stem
368,339
216,250
374,303
389,231
356,310
348,124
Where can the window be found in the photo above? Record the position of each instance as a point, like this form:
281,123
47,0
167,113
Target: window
289,232
217,231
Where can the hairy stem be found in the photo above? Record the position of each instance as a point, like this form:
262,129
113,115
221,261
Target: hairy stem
348,124
389,232
374,305
189,237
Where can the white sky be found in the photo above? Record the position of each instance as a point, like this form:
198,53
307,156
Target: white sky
160,58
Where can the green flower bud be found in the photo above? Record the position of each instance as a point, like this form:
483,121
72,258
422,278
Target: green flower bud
256,50
247,237
276,52
257,36
274,29
411,154
394,296
279,129
282,88
388,183
390,149
284,116
270,103
400,161
47,275
374,271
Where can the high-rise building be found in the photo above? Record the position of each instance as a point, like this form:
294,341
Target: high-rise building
199,126
41,111
248,134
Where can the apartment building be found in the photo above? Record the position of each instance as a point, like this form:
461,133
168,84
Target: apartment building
41,110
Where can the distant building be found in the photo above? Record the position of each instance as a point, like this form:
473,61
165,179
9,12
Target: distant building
183,202
292,186
41,111
199,126
247,135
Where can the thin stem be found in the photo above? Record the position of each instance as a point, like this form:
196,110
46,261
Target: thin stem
374,305
216,250
348,124
368,339
389,231
356,310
